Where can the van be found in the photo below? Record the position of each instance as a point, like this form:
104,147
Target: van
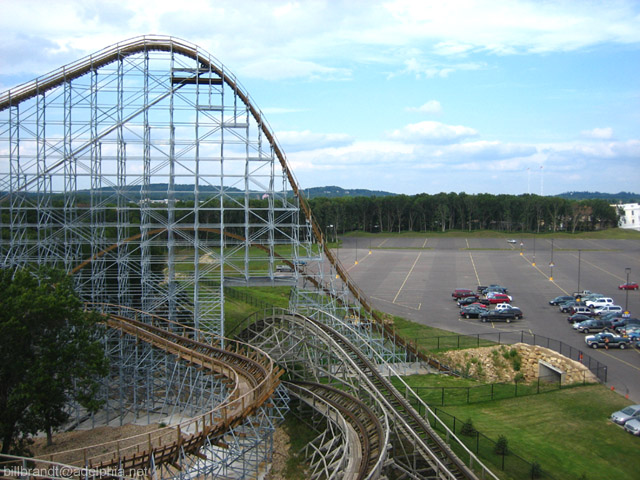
581,309
607,309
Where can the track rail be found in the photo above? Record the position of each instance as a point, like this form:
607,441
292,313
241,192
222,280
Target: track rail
251,374
438,459
363,420
439,455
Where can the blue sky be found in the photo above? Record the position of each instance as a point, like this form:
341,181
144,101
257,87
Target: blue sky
426,96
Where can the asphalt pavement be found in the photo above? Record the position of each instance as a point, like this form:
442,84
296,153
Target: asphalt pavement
414,277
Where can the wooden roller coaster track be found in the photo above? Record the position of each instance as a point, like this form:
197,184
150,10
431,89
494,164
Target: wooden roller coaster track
251,374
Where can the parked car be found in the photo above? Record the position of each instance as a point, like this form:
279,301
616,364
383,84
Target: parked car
567,306
593,325
499,298
599,302
605,339
494,287
560,299
500,315
632,333
633,426
504,306
612,316
582,293
582,310
607,309
578,317
622,416
468,300
621,323
462,293
472,311
628,286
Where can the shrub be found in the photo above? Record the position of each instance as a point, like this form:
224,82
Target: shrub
468,428
502,446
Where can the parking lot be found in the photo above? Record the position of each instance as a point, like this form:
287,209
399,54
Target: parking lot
414,278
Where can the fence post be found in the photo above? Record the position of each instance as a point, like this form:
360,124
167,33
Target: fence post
442,402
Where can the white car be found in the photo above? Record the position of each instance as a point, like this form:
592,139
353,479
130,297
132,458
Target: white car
622,416
599,302
607,309
633,426
504,306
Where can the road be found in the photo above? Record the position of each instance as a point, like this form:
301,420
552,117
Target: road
414,278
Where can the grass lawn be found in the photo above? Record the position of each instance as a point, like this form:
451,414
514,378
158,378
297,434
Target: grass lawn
568,432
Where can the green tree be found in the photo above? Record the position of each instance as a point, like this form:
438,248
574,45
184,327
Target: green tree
49,354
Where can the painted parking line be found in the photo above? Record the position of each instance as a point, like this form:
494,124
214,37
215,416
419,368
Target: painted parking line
382,242
407,277
475,270
424,245
545,275
604,352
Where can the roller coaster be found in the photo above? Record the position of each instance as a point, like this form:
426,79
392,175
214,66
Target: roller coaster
146,172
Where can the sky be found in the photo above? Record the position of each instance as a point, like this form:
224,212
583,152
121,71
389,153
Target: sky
404,96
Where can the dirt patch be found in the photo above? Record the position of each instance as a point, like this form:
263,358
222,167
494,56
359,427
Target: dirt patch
520,361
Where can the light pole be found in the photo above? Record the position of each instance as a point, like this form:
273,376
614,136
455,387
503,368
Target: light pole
579,251
356,251
534,252
626,300
551,262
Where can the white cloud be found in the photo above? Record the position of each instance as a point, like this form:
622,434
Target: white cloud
432,106
306,140
432,132
599,133
317,38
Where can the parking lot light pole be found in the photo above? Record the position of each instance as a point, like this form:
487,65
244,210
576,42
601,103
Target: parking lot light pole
534,251
579,251
551,263
626,300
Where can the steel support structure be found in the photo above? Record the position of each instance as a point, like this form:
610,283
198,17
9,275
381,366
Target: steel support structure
146,172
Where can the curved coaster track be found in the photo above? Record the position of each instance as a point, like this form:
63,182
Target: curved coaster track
146,172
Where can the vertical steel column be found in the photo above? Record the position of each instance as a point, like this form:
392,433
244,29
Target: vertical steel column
17,248
171,203
122,227
196,208
145,201
69,179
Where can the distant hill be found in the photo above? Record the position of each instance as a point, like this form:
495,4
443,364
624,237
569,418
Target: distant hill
333,192
621,197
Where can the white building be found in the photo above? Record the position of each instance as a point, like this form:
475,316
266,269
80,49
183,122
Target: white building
630,217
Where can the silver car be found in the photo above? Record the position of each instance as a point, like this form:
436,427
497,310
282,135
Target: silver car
633,426
622,416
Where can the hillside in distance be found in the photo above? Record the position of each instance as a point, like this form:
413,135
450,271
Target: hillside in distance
620,197
334,192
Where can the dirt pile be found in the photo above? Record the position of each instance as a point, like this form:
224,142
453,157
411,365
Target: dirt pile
520,362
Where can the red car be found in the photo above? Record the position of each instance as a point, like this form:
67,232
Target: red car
499,298
462,293
628,286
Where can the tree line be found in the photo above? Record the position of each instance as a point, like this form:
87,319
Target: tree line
461,211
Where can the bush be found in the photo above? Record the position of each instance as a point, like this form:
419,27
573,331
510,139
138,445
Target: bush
502,446
468,428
